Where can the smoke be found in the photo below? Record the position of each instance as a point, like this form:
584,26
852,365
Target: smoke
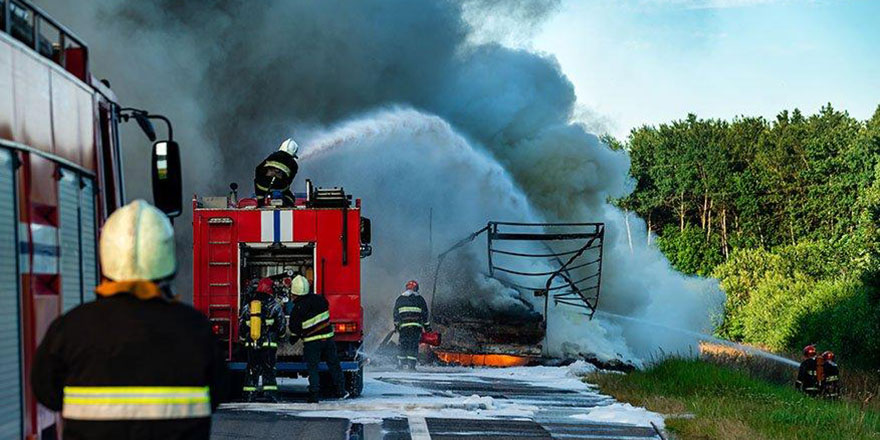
414,107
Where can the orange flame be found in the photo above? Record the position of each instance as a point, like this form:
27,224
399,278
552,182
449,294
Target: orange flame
483,360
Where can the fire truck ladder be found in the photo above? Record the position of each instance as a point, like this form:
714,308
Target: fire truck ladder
577,278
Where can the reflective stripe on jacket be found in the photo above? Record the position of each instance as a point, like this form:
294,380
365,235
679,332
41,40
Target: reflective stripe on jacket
310,318
135,403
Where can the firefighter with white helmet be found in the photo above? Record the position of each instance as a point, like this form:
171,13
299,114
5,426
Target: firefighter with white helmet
410,320
261,325
134,363
276,173
310,321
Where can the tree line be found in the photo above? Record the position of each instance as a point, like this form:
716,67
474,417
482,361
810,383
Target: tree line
758,203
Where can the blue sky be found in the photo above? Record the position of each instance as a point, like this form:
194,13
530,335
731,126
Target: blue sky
649,61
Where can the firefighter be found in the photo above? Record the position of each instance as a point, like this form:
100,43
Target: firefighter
261,325
134,363
410,320
276,173
807,380
831,384
310,321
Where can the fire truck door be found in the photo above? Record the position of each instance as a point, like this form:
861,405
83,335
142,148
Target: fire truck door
69,240
76,231
88,237
10,344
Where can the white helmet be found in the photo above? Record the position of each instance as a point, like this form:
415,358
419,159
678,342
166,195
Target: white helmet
289,146
137,243
299,286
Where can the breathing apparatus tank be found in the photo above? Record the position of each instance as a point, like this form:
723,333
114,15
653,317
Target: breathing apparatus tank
256,320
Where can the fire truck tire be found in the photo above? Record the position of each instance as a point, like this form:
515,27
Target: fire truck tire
354,382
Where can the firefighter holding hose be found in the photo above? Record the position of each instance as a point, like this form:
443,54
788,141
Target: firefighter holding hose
410,320
807,379
275,174
261,325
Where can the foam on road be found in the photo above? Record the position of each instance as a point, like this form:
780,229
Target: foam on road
477,403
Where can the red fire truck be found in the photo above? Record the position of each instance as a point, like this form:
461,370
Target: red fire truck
60,177
323,237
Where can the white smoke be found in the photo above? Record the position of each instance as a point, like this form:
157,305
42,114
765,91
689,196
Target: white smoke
407,164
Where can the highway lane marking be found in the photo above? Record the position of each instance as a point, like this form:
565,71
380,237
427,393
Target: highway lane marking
418,428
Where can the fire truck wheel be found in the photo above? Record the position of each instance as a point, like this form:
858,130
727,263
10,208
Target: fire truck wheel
354,382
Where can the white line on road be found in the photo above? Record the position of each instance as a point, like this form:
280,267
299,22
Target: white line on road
418,428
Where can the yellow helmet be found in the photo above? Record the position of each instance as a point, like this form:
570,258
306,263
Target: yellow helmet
137,243
299,286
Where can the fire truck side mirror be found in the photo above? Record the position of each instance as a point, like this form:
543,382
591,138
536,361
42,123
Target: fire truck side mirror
167,179
366,230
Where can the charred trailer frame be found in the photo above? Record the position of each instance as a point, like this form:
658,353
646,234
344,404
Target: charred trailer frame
560,284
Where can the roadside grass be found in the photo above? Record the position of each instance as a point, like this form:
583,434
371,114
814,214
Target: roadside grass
728,404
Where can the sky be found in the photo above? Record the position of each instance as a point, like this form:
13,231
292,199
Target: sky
636,62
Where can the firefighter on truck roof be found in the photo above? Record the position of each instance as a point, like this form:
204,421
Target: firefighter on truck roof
410,320
310,321
135,363
261,325
276,173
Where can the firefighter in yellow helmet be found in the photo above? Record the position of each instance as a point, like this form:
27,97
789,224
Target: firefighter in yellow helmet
134,363
261,325
310,321
275,174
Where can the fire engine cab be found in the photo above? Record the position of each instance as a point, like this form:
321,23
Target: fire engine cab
323,237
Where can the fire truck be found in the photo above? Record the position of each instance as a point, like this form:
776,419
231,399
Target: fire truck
60,177
322,237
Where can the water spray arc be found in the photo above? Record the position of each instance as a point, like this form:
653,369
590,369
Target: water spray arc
705,338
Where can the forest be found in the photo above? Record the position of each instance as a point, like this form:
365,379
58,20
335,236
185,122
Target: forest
782,212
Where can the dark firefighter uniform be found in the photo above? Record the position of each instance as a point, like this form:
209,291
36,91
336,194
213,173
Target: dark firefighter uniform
310,321
275,173
133,364
260,375
831,382
410,320
807,380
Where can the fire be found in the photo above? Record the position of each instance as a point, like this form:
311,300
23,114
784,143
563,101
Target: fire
483,360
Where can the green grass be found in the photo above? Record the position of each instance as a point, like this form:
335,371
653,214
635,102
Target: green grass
728,404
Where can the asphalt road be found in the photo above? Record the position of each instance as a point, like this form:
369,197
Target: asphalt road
437,404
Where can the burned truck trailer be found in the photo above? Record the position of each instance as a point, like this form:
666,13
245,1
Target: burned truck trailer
540,265
323,237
